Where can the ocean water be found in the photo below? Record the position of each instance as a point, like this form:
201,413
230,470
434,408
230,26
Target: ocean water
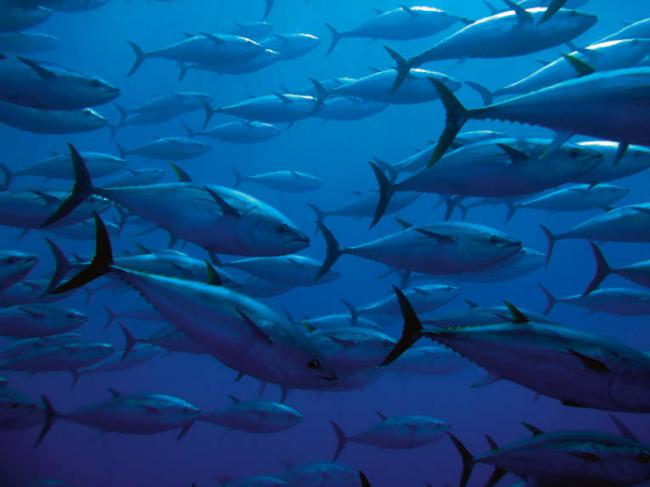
338,153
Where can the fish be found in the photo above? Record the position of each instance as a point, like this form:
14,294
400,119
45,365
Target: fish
134,355
395,433
219,219
162,108
63,352
346,108
17,18
29,209
572,366
428,361
135,177
27,42
516,32
71,5
477,315
14,267
501,168
205,48
255,416
576,197
377,87
39,121
636,30
603,56
322,474
136,414
168,338
18,411
168,148
239,331
425,298
291,46
363,206
249,29
287,180
238,132
39,320
399,24
339,321
441,248
616,301
264,59
43,86
638,273
569,458
83,231
624,224
293,270
59,166
635,160
276,108
621,92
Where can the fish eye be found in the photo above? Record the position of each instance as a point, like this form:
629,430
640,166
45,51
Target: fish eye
14,405
494,239
95,83
314,364
284,228
11,259
575,152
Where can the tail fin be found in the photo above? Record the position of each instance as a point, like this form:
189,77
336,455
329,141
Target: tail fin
209,113
140,56
457,116
82,189
341,440
8,175
551,300
51,415
336,37
100,264
386,192
321,94
333,251
76,375
123,116
189,131
512,209
354,312
62,265
130,341
111,316
486,95
320,215
411,332
364,480
121,151
267,8
238,177
551,240
466,456
552,10
402,66
183,68
602,269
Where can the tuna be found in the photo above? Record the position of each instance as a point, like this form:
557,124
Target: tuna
50,121
616,301
287,180
38,320
638,273
240,132
169,148
14,266
255,416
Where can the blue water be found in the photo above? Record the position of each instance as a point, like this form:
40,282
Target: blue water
336,152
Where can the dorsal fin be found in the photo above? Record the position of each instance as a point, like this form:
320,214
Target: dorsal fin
181,174
516,314
234,399
283,98
623,429
381,415
114,392
534,430
40,70
491,443
226,208
257,331
213,275
472,304
581,67
522,14
403,223
516,156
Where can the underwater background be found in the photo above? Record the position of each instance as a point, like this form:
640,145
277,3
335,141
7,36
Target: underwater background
338,153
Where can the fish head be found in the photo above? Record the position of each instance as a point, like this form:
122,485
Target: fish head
579,155
182,411
298,362
68,318
269,232
14,263
96,89
92,119
492,246
14,405
571,22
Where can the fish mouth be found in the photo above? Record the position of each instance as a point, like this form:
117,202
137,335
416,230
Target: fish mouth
302,239
330,378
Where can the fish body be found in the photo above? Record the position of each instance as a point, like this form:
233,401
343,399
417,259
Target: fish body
170,148
14,266
59,166
579,197
291,46
255,416
38,320
241,132
428,361
285,180
294,270
50,121
27,43
280,108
